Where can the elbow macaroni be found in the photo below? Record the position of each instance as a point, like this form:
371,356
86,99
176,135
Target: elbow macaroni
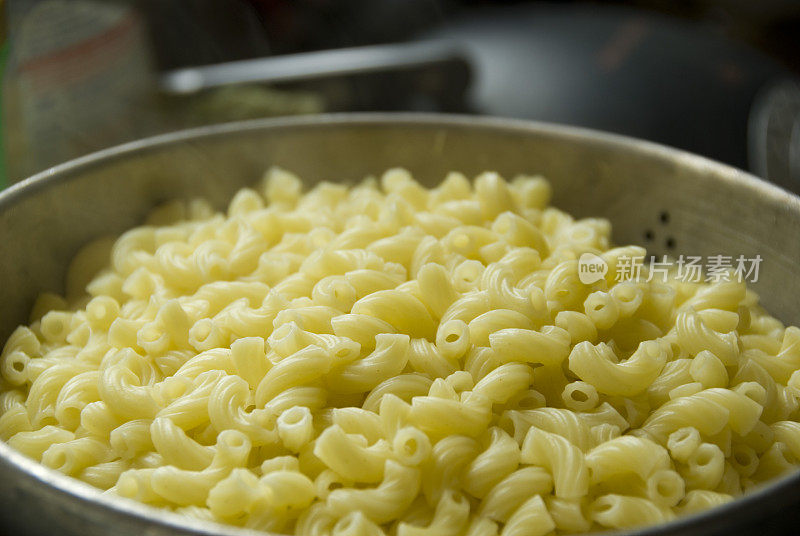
391,359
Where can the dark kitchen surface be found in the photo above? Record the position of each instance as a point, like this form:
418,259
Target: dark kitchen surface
715,77
682,73
617,69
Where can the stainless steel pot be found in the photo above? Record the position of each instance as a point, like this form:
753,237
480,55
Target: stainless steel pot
670,201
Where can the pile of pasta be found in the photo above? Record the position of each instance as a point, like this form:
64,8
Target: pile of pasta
385,358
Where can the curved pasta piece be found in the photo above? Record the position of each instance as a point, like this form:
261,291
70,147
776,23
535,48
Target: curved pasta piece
178,449
236,495
598,366
76,393
449,456
425,357
356,524
131,439
361,329
726,295
387,360
215,359
563,422
698,500
569,515
483,326
626,454
708,411
384,503
549,347
530,519
184,487
695,336
500,459
72,457
402,310
290,489
563,459
513,490
788,433
450,518
349,456
307,365
124,387
404,386
504,382
623,512
437,288
228,410
470,305
191,409
445,417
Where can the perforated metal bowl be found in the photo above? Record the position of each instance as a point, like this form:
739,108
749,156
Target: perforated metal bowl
670,201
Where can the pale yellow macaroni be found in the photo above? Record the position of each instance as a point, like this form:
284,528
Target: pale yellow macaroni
386,358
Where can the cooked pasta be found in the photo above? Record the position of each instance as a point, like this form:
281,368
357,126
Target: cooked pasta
386,358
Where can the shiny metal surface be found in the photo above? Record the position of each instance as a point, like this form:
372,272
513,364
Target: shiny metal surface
311,65
711,209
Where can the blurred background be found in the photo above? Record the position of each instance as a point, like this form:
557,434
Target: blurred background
715,77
